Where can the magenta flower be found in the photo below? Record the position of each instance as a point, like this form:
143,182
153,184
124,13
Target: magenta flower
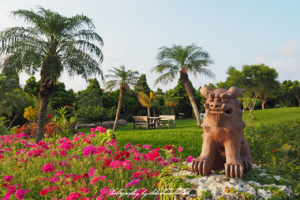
147,146
54,179
63,153
7,178
180,149
93,130
85,190
92,173
89,150
48,168
101,129
101,178
20,193
128,146
189,159
103,191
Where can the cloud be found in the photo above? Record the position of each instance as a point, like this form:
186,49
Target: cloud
290,48
286,60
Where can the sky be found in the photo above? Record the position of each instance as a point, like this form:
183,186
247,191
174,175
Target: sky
234,33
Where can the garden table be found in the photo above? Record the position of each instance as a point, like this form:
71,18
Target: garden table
156,121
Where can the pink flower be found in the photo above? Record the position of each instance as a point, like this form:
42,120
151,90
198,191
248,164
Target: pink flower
7,178
136,174
101,178
147,146
189,159
73,196
101,198
89,150
59,173
175,160
67,145
63,153
54,179
85,190
101,129
48,168
20,193
103,191
62,163
180,149
128,146
134,182
92,173
93,130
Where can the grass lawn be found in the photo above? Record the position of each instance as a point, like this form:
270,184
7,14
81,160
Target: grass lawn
188,135
271,116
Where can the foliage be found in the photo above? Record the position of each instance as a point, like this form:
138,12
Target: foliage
32,86
170,184
179,59
148,101
123,79
183,60
171,102
89,98
61,96
184,103
53,43
65,122
247,101
276,147
259,81
95,86
30,113
3,128
93,114
142,85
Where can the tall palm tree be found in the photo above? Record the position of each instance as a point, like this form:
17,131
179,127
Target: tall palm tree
124,79
179,59
148,102
171,102
53,43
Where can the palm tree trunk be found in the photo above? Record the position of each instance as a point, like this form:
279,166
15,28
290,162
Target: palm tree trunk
148,109
153,111
119,108
172,109
186,82
45,91
42,115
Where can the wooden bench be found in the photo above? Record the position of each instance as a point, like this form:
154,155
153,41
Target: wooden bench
142,121
167,120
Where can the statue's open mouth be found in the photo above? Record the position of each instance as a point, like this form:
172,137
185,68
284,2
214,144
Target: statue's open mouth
228,112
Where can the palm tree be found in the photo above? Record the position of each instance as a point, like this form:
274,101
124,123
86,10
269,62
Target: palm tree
148,102
89,98
124,79
53,43
179,59
171,102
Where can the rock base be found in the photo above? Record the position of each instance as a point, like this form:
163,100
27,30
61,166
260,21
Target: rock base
218,186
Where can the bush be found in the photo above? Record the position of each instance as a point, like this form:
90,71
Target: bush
92,114
276,146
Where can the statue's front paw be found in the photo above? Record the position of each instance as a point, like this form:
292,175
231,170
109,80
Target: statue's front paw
234,171
200,167
247,162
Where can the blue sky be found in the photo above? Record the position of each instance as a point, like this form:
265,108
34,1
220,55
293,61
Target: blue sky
234,33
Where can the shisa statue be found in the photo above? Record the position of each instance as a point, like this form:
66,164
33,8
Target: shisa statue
223,143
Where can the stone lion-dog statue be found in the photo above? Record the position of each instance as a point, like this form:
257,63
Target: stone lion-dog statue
223,141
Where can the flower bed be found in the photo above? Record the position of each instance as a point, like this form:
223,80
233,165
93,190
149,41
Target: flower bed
78,168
